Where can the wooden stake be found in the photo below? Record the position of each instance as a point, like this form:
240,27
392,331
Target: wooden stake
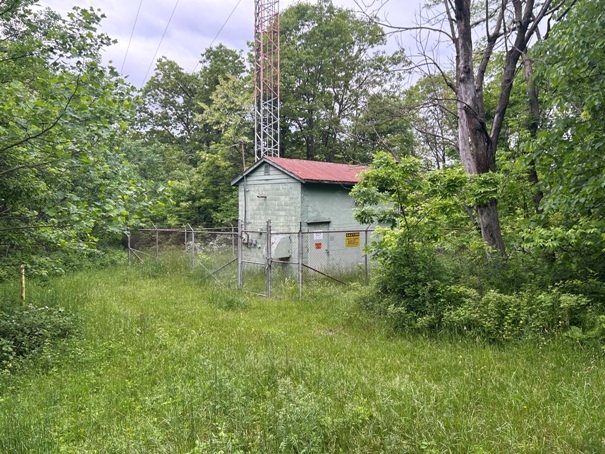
23,283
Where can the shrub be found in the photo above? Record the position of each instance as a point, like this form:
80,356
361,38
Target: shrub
27,329
495,298
498,316
407,283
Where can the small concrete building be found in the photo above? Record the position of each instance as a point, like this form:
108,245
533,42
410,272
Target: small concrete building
307,195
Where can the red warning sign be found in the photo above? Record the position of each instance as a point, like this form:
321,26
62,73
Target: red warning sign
317,245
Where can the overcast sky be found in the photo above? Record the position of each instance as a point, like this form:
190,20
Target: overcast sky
194,26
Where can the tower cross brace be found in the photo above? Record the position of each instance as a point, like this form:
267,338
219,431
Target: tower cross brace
266,78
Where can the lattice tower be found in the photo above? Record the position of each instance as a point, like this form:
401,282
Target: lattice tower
266,78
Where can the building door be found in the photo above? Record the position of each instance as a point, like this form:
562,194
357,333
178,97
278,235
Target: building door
318,249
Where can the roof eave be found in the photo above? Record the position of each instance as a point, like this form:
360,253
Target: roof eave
348,183
257,164
287,172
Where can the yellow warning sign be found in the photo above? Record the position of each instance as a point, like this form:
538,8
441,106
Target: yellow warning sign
352,239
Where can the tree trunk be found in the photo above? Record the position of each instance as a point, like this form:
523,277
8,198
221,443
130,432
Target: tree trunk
310,139
532,125
477,152
490,225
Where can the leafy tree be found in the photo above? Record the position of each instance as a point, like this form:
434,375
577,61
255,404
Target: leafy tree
427,278
172,98
230,113
383,124
218,63
431,110
569,153
423,207
168,106
187,117
476,30
330,66
64,181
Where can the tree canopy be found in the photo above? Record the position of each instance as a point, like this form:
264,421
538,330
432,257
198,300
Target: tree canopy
63,180
331,66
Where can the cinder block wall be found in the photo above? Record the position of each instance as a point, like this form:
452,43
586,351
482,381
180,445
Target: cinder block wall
268,193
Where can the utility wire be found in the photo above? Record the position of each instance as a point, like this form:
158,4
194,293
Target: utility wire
131,33
220,30
160,43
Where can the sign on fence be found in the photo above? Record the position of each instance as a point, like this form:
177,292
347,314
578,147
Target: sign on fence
352,239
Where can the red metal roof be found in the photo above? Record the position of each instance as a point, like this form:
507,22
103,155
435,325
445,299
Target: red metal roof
319,172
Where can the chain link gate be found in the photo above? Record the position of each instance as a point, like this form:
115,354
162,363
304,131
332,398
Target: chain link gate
261,261
268,259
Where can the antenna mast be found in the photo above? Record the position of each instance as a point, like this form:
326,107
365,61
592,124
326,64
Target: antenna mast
266,78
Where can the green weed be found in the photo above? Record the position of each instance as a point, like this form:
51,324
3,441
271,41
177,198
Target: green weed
167,362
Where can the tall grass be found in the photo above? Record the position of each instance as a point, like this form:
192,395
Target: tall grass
167,362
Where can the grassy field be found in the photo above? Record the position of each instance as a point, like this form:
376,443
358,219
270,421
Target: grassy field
166,363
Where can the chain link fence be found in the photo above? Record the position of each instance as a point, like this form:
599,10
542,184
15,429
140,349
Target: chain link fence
261,261
212,253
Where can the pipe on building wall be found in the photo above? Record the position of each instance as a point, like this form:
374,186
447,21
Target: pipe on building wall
245,204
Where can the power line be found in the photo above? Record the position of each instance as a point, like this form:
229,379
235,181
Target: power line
160,43
131,34
220,30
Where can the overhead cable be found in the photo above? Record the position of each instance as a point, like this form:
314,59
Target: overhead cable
131,33
220,30
160,43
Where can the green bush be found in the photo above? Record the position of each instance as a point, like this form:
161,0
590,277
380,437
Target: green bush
27,329
496,298
521,315
407,284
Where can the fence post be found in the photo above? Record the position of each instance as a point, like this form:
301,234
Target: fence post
233,239
129,252
157,242
192,247
23,284
239,254
268,265
365,255
300,261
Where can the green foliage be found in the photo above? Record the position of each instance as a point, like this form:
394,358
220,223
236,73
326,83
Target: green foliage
230,112
407,284
391,191
570,147
196,125
26,330
383,124
160,366
430,207
173,98
429,105
227,299
430,277
65,182
502,317
420,289
330,67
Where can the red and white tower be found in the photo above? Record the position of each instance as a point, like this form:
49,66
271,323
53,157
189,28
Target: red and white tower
266,78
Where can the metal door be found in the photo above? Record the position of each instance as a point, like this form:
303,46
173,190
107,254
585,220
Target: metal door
318,249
